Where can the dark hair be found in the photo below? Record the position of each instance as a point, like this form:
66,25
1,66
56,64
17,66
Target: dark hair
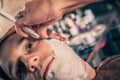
3,75
109,70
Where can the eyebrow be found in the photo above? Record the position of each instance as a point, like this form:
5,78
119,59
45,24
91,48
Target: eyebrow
20,40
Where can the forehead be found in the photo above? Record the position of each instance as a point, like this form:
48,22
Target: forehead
10,40
8,43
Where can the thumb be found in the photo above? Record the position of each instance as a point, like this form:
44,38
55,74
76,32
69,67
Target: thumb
20,32
42,31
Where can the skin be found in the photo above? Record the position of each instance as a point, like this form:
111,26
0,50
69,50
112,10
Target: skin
26,59
28,54
42,13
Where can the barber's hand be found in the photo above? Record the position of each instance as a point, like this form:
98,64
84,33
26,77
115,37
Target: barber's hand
40,13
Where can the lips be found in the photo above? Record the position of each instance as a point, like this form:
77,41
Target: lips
41,74
46,66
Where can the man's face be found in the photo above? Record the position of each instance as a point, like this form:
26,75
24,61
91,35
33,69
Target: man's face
24,59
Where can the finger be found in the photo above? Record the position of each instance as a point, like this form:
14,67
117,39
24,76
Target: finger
30,4
42,31
22,21
24,17
32,13
58,36
29,18
20,32
42,28
18,24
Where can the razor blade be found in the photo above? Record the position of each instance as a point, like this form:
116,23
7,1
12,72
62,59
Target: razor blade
31,32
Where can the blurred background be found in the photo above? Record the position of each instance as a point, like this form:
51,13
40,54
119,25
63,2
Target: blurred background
93,31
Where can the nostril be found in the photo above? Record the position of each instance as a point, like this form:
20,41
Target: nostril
32,67
35,59
33,63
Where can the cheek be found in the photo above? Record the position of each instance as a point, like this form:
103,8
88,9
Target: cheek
8,56
31,76
41,51
13,58
43,47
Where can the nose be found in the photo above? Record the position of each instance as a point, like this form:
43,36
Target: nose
31,62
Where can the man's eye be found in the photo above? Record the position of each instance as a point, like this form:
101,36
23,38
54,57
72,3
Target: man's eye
29,46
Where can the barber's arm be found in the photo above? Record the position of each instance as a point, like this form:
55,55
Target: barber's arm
42,13
70,5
